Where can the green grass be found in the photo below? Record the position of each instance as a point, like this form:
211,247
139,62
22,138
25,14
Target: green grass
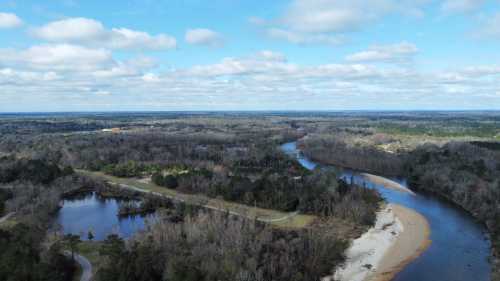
8,224
90,250
298,221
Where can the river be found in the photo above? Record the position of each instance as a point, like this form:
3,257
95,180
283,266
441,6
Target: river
460,248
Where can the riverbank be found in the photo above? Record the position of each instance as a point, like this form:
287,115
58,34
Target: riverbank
399,236
386,183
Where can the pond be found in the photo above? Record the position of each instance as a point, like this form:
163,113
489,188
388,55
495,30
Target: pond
91,212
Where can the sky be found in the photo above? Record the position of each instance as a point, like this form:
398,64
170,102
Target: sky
174,55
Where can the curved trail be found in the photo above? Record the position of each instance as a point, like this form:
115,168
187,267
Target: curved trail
210,207
7,216
84,264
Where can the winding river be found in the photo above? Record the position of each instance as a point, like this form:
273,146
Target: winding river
460,248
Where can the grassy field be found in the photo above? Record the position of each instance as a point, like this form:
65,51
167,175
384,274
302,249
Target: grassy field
90,250
274,217
8,224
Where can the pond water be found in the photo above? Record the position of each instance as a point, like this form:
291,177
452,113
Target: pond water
90,212
460,248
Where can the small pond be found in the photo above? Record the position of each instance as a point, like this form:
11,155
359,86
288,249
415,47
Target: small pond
91,212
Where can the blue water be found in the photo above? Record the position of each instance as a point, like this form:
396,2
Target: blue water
99,215
460,248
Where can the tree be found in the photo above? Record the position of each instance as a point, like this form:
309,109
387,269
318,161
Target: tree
170,181
72,241
112,247
90,236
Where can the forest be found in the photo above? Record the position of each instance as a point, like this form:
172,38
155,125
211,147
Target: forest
236,158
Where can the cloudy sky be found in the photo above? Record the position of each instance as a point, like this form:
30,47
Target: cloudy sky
70,55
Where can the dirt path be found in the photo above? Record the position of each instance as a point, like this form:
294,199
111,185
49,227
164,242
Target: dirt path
6,217
84,264
284,218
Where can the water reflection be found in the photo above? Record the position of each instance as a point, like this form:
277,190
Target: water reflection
460,248
91,212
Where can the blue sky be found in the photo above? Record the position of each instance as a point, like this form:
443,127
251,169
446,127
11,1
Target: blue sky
69,55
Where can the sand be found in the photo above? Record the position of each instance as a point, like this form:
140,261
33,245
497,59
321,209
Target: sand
399,236
411,243
387,183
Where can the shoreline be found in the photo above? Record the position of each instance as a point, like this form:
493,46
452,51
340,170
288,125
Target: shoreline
399,236
410,245
387,183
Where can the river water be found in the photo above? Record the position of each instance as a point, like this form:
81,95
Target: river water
460,249
90,212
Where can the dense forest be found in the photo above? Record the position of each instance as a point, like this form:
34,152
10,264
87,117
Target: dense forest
32,190
220,247
234,158
464,173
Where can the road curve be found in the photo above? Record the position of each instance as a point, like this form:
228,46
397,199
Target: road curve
84,264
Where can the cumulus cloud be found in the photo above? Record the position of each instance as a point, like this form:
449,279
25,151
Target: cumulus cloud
58,56
8,20
326,21
400,52
9,75
205,37
263,79
461,6
92,32
331,15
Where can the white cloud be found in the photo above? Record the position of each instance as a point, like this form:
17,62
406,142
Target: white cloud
320,16
461,6
330,15
150,77
400,52
92,32
57,57
203,36
122,38
8,20
263,80
327,21
271,56
73,29
14,76
304,38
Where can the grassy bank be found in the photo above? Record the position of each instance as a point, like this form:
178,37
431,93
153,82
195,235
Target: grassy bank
276,218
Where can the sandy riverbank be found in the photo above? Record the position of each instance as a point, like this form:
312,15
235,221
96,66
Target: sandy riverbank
399,236
387,183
